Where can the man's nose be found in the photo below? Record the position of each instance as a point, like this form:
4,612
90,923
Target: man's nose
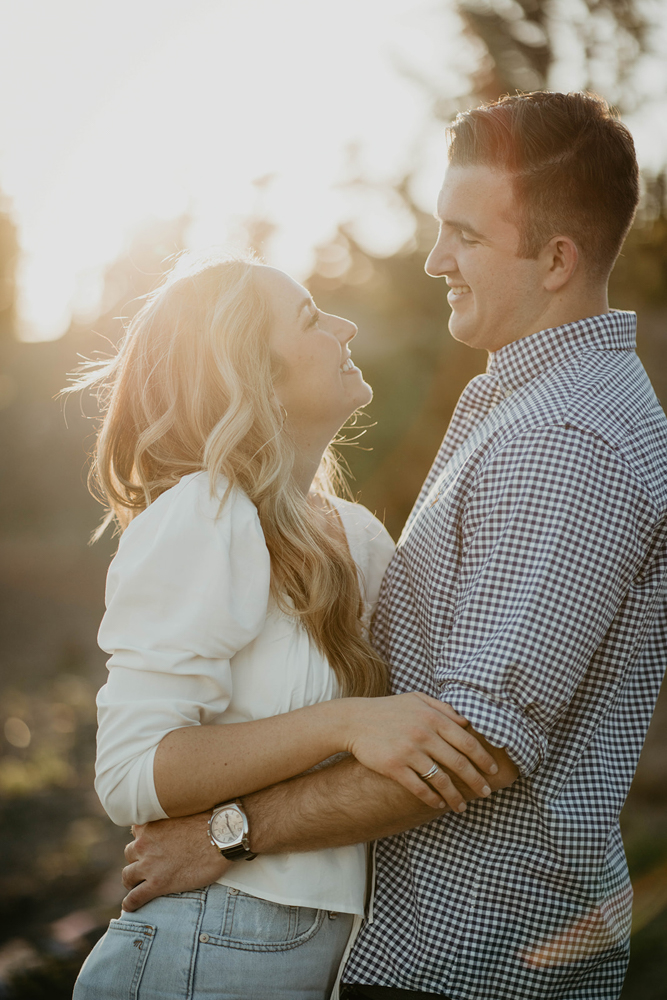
441,260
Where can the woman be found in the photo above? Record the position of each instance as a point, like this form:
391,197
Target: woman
236,614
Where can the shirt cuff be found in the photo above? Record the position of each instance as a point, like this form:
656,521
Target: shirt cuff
502,725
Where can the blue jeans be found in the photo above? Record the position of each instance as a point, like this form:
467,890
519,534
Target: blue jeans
216,943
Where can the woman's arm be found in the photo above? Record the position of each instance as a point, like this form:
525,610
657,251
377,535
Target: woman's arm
196,767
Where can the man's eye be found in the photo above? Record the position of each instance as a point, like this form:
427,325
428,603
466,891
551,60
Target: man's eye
314,318
468,243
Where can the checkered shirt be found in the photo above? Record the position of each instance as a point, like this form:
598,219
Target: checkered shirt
528,590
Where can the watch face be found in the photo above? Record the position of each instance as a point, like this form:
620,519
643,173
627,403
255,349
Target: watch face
227,827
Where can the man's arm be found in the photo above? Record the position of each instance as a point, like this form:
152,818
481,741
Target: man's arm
331,807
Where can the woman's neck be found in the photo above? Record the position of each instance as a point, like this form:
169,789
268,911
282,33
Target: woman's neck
304,472
307,459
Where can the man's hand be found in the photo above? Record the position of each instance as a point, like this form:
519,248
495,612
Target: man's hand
170,855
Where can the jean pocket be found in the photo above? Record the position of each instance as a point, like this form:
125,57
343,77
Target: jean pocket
254,924
114,968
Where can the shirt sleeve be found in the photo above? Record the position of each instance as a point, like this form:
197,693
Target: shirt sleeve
381,548
187,589
371,546
552,535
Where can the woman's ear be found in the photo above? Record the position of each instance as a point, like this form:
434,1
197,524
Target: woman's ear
560,258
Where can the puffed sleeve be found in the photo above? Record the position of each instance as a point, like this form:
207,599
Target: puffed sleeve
187,589
371,546
381,548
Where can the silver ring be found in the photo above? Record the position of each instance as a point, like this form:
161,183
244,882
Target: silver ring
430,774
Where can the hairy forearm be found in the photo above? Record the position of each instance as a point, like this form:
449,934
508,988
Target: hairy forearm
344,804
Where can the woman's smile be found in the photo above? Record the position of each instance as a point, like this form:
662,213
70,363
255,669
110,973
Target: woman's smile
313,350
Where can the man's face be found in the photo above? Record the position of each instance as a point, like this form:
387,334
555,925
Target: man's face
496,296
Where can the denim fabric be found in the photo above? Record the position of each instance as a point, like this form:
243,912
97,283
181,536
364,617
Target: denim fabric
217,943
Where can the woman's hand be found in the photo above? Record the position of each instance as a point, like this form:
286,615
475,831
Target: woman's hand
404,736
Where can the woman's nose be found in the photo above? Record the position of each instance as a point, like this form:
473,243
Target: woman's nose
348,329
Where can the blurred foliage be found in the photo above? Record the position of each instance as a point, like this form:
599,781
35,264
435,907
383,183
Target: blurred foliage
526,39
60,881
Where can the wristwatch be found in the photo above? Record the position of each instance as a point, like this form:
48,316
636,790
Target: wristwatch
228,830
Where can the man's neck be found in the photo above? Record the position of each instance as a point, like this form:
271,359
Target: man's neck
570,309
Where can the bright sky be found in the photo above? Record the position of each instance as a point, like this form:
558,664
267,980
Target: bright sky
116,113
143,108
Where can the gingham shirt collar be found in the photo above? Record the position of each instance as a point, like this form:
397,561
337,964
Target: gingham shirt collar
522,360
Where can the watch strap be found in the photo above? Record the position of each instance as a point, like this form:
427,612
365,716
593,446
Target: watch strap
238,853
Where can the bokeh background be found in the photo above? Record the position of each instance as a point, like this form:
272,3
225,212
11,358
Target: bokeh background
314,133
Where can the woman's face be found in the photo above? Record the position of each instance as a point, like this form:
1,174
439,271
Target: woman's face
318,385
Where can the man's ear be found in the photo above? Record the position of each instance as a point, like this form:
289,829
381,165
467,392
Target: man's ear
560,258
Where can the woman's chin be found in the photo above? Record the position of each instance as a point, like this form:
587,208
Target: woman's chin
365,397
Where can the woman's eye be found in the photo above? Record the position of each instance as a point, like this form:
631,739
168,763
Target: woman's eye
314,318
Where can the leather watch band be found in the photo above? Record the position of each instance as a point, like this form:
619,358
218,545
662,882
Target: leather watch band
238,853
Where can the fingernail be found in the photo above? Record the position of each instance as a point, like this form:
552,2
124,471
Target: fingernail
442,805
486,790
493,769
462,807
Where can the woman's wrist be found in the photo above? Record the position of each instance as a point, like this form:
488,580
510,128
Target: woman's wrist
346,720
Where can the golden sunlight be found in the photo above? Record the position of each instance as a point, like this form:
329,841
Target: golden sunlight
167,108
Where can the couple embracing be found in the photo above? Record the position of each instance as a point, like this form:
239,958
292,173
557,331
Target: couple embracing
481,733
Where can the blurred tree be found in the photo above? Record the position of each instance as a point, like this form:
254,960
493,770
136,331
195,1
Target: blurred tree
527,41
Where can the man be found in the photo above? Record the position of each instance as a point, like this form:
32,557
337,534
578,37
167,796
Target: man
527,590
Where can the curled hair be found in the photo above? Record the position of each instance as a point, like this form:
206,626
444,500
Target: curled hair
574,168
191,389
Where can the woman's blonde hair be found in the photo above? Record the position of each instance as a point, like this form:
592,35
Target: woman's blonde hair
191,389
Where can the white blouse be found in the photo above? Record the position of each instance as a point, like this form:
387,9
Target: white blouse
195,639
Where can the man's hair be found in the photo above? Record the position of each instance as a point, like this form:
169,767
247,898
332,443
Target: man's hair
574,167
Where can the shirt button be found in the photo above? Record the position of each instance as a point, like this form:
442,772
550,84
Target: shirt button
203,938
